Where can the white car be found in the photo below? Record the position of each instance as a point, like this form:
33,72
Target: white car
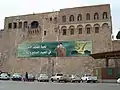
89,78
118,80
43,78
4,76
61,78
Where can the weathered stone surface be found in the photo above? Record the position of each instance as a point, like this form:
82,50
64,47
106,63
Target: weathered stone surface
101,41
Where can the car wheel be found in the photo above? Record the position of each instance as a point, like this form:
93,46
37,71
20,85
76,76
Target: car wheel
88,81
94,81
52,80
47,80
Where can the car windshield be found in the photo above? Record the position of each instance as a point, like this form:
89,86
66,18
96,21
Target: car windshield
43,75
59,74
30,75
17,74
4,74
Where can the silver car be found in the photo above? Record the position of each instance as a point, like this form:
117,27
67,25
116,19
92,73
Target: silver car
75,78
43,78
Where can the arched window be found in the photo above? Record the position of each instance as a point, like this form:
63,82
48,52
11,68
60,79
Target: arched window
105,16
80,29
88,28
96,16
79,17
105,26
87,16
64,30
97,28
34,24
72,29
71,18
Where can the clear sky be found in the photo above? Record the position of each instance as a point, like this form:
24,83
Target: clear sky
18,7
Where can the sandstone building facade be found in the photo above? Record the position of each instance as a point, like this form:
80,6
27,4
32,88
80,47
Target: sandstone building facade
92,23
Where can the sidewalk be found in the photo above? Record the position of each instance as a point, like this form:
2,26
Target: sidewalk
108,81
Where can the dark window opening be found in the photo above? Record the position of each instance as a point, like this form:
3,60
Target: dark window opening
34,24
96,16
88,30
14,25
20,25
80,31
9,25
63,18
55,19
37,31
71,18
96,29
25,24
79,18
51,19
72,32
64,31
87,16
33,31
45,33
105,16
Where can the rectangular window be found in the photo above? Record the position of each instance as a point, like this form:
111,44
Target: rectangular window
55,20
51,19
96,29
80,31
9,25
63,18
45,33
88,30
25,24
20,25
72,32
14,25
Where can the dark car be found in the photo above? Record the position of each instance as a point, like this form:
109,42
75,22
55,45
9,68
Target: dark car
16,77
31,77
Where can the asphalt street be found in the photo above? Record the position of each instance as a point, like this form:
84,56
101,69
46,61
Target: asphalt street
10,85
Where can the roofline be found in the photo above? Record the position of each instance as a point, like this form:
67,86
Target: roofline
59,10
31,14
97,5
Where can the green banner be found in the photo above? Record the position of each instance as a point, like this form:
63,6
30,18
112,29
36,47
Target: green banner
54,49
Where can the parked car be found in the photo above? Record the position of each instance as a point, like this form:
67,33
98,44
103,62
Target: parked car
4,76
61,78
43,78
56,77
118,80
31,77
75,78
16,77
89,78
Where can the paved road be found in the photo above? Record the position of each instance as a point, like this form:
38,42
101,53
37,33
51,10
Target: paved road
9,85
